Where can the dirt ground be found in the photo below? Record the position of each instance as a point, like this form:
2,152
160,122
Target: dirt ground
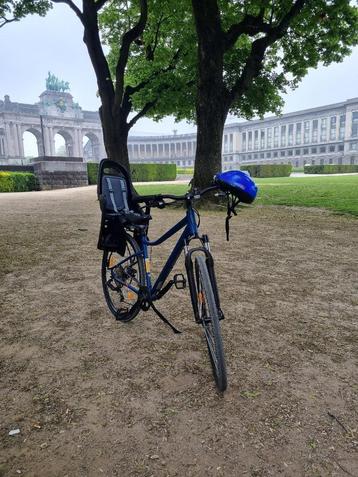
95,397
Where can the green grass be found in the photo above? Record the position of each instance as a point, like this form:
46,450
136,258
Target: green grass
339,193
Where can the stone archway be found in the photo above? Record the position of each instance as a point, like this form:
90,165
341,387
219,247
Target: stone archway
63,143
91,147
32,144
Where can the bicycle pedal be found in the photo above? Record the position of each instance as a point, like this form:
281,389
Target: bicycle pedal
179,281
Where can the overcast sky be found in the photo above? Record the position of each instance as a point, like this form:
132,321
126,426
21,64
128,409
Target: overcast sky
32,47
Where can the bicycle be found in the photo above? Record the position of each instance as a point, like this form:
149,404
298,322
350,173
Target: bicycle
126,275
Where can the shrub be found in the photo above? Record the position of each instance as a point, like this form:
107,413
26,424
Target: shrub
331,169
92,172
140,172
17,181
268,170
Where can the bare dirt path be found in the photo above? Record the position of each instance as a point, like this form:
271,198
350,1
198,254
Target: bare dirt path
94,397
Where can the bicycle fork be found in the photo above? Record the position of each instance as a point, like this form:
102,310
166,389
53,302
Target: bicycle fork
189,265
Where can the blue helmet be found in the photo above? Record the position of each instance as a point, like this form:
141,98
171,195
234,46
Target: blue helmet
237,183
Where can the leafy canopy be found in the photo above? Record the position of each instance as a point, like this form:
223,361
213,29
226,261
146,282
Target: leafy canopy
14,10
323,32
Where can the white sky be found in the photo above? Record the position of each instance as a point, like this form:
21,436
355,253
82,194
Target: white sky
32,47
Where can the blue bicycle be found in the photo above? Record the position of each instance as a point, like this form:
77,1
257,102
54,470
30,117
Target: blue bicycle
126,275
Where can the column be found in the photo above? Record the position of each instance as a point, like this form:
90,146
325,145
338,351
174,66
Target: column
19,140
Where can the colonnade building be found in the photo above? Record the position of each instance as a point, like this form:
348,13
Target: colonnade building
323,135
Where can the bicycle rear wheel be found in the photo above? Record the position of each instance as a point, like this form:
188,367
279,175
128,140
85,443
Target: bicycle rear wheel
122,277
209,318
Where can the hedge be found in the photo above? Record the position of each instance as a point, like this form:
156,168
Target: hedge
140,172
17,181
268,170
331,169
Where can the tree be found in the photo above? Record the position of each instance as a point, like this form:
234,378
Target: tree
14,10
129,21
248,54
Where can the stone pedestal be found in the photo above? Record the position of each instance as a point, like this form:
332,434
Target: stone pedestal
60,173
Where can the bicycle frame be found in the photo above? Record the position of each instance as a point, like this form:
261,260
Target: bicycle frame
190,231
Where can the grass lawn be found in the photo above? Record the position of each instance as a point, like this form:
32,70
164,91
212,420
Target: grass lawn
339,193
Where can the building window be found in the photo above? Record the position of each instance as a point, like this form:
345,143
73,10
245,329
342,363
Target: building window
262,155
283,153
262,139
355,124
305,151
315,130
244,141
306,132
298,133
269,137
313,162
339,160
249,156
275,154
290,152
283,136
313,150
256,140
275,136
353,146
268,155
322,149
250,141
297,163
297,152
340,147
231,142
290,134
225,143
255,156
332,128
342,126
332,148
321,161
352,160
324,129
330,161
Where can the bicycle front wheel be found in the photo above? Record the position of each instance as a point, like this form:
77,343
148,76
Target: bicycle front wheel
122,278
209,318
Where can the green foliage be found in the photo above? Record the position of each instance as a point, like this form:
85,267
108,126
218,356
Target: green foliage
17,181
139,172
153,172
92,172
14,10
323,32
331,169
268,170
161,68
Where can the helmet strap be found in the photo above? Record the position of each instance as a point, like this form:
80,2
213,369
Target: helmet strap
232,203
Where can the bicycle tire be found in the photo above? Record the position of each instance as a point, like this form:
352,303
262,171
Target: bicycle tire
122,302
209,318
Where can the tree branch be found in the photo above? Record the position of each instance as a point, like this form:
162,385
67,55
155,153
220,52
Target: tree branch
127,40
142,113
250,25
100,3
254,62
73,6
5,20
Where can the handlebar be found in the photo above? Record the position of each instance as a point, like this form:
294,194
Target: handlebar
157,200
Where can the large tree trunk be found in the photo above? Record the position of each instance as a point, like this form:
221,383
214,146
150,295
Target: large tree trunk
209,140
211,107
115,135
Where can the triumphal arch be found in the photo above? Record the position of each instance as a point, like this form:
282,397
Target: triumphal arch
55,114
